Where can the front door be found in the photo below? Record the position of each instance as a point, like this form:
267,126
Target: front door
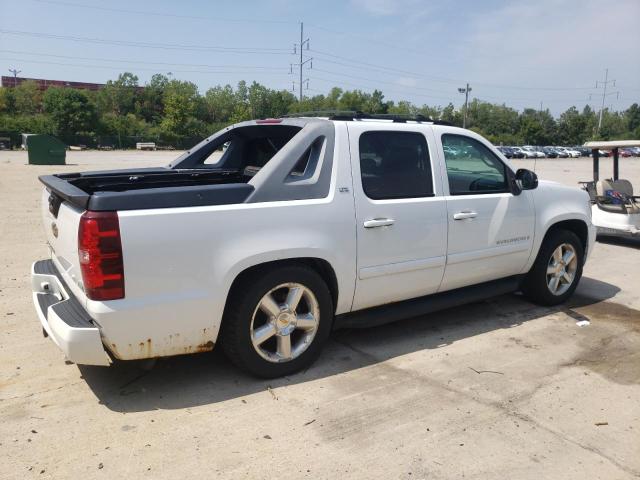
490,229
400,213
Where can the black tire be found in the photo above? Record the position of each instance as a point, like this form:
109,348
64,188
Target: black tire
242,303
535,286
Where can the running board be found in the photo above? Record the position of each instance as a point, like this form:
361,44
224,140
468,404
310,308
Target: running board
392,312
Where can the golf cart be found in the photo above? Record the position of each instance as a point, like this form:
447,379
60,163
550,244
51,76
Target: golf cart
615,209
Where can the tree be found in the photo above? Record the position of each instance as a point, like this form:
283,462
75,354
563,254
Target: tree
119,96
181,104
573,127
451,115
537,128
149,104
70,110
632,118
27,98
6,100
220,103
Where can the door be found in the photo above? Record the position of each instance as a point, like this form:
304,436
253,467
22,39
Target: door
490,229
400,213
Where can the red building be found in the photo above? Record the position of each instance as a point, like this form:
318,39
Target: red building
43,84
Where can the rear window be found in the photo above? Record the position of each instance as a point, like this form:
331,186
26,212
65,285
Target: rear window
250,147
395,165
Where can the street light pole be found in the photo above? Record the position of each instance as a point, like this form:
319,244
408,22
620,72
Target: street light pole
466,103
15,76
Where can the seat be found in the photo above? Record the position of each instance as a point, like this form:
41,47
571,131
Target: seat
616,196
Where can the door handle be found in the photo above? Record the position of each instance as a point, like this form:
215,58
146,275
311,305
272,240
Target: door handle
379,222
464,214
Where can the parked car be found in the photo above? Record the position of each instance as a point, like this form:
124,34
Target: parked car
550,152
516,152
571,152
506,151
561,152
540,152
301,226
584,151
625,152
534,151
526,153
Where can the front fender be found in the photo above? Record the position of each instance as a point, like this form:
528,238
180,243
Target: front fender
555,203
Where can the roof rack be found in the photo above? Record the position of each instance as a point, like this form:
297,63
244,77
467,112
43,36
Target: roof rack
350,115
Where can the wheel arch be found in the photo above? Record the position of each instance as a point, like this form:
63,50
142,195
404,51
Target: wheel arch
321,266
577,226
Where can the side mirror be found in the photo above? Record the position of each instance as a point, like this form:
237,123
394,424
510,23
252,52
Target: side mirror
526,179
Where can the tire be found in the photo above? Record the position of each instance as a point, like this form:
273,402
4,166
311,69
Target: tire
538,283
253,333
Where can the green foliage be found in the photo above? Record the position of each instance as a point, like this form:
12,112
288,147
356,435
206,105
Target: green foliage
70,110
174,112
27,98
6,99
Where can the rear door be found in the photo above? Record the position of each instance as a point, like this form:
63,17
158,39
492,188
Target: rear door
401,220
490,229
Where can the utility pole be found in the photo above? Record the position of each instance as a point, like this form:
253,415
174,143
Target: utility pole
605,94
302,61
15,76
466,103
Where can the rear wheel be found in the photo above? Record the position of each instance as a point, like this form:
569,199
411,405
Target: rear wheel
557,269
277,321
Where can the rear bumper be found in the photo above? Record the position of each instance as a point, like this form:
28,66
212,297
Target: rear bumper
64,319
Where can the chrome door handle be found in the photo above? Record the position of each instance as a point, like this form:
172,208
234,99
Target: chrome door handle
464,214
379,222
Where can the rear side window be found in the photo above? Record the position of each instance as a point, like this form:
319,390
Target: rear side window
471,167
395,165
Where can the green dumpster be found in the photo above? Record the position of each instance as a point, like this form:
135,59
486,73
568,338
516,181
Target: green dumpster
46,150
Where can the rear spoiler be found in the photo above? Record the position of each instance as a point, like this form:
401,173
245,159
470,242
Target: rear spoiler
65,190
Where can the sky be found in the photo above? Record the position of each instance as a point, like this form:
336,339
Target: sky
523,53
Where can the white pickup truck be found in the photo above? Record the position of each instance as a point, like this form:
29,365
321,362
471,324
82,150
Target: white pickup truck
298,226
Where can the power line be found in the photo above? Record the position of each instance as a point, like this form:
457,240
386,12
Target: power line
390,70
159,14
113,67
377,82
74,57
165,46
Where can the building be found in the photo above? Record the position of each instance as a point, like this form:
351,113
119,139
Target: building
43,84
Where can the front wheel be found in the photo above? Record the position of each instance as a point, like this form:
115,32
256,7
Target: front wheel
557,269
277,321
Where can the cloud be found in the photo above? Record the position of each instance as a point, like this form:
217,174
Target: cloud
407,81
385,8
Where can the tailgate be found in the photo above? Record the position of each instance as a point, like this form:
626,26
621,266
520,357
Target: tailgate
61,220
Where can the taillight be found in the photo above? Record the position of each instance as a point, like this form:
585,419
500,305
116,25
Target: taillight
100,252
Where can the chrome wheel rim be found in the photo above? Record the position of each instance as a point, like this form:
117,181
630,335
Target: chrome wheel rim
561,269
284,322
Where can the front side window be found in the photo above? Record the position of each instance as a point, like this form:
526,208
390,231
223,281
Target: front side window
471,167
395,165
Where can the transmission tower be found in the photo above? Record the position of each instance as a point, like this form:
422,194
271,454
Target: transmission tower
298,49
605,84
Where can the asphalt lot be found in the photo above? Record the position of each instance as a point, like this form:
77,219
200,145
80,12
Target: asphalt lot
497,389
